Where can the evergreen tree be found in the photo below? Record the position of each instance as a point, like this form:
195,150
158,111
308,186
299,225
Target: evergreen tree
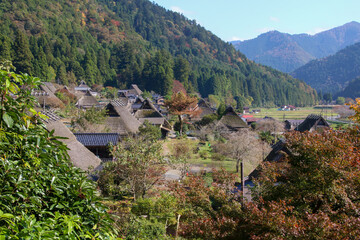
5,48
23,57
182,71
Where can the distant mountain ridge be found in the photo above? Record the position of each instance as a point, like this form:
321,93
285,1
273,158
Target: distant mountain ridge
333,73
287,52
119,43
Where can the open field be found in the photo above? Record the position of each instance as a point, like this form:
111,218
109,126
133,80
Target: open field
302,113
201,155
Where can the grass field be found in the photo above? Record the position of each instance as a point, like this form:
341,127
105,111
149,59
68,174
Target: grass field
302,113
200,155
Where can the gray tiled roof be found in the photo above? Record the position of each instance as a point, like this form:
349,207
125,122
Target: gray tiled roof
97,139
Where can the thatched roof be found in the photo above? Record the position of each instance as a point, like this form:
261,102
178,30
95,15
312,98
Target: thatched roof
87,101
48,87
120,119
313,122
292,124
149,112
47,96
232,121
82,87
135,90
278,152
80,156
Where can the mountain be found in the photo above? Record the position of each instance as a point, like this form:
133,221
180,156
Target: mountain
352,90
333,73
119,43
287,52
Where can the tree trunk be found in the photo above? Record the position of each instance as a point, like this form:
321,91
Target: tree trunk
181,124
237,165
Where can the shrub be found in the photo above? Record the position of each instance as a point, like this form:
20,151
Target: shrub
42,194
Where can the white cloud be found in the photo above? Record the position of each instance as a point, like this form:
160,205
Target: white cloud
274,19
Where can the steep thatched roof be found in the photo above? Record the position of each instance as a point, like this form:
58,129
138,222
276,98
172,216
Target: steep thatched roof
80,156
149,112
135,90
278,152
120,119
87,101
48,87
292,124
82,87
46,95
232,121
313,122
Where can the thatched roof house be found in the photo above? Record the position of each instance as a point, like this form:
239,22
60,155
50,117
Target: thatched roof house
313,123
278,153
98,143
80,156
292,124
82,87
87,101
232,120
119,119
46,96
148,112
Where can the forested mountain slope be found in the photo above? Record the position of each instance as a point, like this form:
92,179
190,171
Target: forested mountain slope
123,42
287,52
333,73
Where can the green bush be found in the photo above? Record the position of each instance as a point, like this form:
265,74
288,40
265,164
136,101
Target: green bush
41,194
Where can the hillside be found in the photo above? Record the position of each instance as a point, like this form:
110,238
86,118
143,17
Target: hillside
287,52
352,90
333,73
119,43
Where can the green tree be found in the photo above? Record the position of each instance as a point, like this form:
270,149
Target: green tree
182,71
137,167
340,100
23,56
43,195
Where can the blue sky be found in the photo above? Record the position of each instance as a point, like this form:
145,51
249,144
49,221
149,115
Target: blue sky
241,20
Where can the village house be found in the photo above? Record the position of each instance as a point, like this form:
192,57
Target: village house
87,101
133,93
292,124
119,119
148,112
313,123
98,143
82,87
287,108
231,121
80,156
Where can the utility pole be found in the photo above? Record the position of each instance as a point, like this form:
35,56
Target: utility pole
242,179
